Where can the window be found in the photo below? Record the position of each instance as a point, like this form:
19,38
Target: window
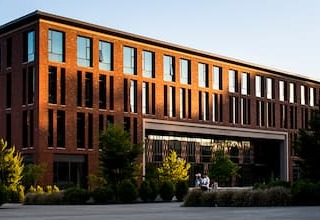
24,128
24,86
90,130
50,128
84,51
183,103
9,52
270,114
61,128
56,46
89,90
105,55
133,96
233,81
148,64
217,107
203,75
302,93
172,101
203,106
168,68
8,129
8,91
129,60
102,91
292,93
52,85
145,98
0,56
245,111
63,86
311,96
29,46
185,74
217,78
111,92
260,113
79,88
269,88
101,123
258,86
245,84
80,130
283,116
281,91
31,79
233,110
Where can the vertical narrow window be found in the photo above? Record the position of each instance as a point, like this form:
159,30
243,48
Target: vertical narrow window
185,73
126,124
302,95
24,129
31,81
233,81
101,123
31,128
8,91
145,98
79,88
291,93
260,113
203,75
165,100
153,99
125,95
233,110
56,46
168,68
9,52
8,129
244,112
29,46
105,55
50,128
311,97
90,130
84,51
110,120
135,131
205,98
217,78
24,86
269,88
63,86
61,128
258,86
245,84
172,101
89,90
80,130
182,103
148,64
215,107
133,96
52,85
281,90
111,93
189,104
129,60
102,91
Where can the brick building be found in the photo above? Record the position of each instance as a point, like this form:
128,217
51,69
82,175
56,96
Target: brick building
62,81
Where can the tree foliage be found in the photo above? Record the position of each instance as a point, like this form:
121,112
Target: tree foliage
308,148
174,169
117,155
222,168
11,167
32,174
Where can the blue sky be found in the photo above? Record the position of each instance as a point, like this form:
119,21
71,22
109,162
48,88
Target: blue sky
284,34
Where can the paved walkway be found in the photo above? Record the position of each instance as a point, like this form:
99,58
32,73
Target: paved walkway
152,211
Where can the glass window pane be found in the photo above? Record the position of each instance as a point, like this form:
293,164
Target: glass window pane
84,51
168,68
232,81
55,46
184,71
31,46
147,66
105,55
129,60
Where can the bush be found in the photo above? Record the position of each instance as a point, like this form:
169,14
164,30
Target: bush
3,194
196,198
306,193
54,198
241,198
278,196
145,191
103,194
182,189
225,198
128,192
166,190
154,189
75,195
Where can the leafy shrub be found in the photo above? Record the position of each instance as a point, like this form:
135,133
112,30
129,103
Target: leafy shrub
154,186
3,194
225,198
196,198
103,194
145,191
281,183
306,193
257,198
54,198
17,195
166,190
75,195
278,196
128,192
241,198
181,190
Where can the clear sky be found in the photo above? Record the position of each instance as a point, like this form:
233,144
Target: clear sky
283,34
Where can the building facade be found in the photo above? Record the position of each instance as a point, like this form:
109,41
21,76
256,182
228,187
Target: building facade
63,81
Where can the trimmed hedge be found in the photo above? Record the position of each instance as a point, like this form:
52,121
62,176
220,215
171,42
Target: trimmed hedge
53,198
76,196
181,190
128,192
166,190
103,194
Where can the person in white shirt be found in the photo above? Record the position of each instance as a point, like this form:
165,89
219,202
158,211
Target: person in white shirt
205,183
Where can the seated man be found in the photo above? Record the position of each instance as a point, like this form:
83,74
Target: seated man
205,183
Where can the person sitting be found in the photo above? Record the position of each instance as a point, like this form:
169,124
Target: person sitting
205,183
198,180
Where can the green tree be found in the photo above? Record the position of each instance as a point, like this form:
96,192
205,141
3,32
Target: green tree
308,148
32,173
11,168
117,155
174,169
222,168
